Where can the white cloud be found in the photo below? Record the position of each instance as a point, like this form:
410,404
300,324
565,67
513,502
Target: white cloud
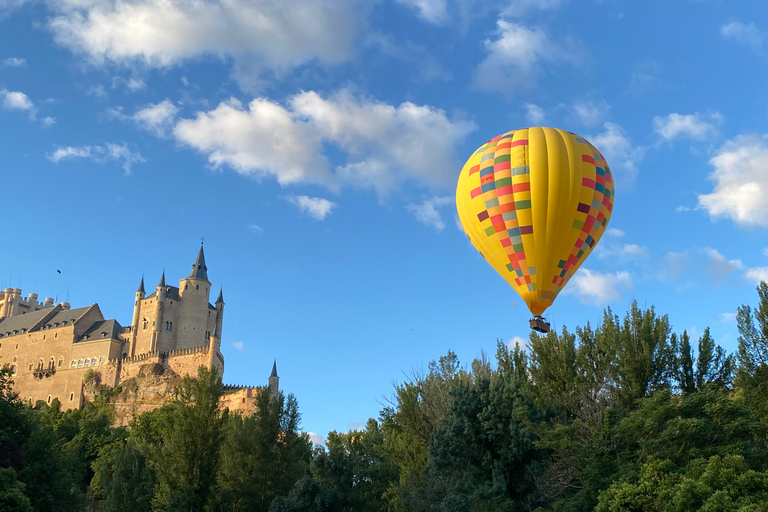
720,267
674,264
16,100
427,212
517,341
48,121
748,35
765,252
741,182
316,207
535,114
100,154
517,8
693,126
131,84
646,75
757,274
621,155
316,439
238,345
614,232
256,229
726,317
277,35
13,62
432,11
598,289
97,91
590,113
515,58
385,145
613,250
682,208
156,118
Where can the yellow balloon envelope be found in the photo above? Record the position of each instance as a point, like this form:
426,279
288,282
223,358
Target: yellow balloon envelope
535,202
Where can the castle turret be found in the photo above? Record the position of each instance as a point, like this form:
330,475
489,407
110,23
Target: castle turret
274,381
140,294
156,329
214,343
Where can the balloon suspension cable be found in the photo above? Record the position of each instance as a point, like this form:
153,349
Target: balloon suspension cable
539,324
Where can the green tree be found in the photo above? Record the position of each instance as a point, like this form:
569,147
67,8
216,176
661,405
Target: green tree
128,485
752,373
711,367
187,462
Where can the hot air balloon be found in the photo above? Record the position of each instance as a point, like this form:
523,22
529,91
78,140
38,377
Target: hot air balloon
534,202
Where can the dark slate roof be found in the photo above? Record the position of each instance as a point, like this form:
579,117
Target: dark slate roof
221,296
104,329
199,270
171,292
67,315
141,285
21,322
274,369
162,280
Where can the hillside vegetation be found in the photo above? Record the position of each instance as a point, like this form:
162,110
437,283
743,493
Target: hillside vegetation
626,415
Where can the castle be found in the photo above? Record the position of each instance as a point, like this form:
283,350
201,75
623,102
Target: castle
54,350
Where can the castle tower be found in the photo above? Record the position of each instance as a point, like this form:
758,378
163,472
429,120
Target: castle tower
214,343
274,381
140,294
160,292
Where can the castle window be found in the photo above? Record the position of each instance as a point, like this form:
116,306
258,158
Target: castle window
14,369
73,364
207,334
186,286
51,363
30,367
168,326
43,337
80,363
87,362
197,287
17,346
40,364
93,362
101,361
14,359
146,324
49,399
55,335
71,396
30,401
61,362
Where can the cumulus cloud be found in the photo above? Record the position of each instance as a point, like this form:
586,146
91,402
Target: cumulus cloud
721,267
748,35
516,57
598,289
156,118
535,114
614,232
757,274
741,182
427,212
693,126
101,154
385,145
621,155
316,439
258,230
432,11
13,62
238,345
590,113
16,100
130,84
517,341
275,35
316,207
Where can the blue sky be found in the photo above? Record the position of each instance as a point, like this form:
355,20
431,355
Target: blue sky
316,145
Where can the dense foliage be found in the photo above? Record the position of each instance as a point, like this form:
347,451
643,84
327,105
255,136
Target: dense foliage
623,416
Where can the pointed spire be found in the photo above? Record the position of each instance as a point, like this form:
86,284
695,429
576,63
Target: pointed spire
162,280
274,369
141,285
221,296
199,270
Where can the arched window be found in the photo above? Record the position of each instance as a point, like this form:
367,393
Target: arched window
73,364
93,362
29,368
52,363
146,323
71,396
197,287
30,401
14,369
40,364
87,362
101,361
14,359
80,363
61,361
49,399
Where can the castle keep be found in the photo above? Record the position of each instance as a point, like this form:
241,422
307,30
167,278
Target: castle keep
51,348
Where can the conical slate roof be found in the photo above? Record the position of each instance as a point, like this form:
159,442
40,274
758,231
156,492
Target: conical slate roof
141,285
221,296
162,280
199,270
274,369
